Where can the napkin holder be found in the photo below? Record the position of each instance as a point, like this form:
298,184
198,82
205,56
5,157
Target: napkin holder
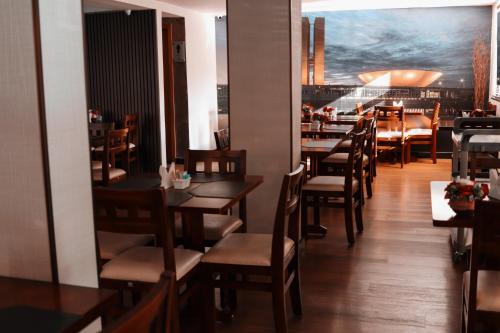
167,176
494,184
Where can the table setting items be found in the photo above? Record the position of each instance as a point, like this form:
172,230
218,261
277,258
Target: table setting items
463,193
172,178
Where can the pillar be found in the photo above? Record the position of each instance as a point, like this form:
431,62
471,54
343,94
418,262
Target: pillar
319,50
264,66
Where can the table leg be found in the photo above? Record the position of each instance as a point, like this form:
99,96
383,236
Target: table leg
454,161
464,161
458,241
192,231
242,210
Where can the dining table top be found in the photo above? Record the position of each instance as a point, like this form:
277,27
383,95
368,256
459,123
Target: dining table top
326,129
36,306
319,145
442,214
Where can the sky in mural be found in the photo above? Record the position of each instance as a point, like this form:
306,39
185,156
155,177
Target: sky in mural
428,39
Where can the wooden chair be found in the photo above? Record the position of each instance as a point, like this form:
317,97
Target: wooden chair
115,145
131,121
424,136
139,268
480,161
318,191
275,256
222,139
339,160
481,284
221,162
149,315
391,138
97,133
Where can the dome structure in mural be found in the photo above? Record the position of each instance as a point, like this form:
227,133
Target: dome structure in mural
400,78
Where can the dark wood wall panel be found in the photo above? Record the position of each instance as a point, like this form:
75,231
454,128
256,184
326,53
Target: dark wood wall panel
123,74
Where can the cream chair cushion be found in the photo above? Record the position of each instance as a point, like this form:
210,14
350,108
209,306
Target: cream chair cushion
419,131
113,173
131,145
328,183
112,244
97,165
488,290
390,134
215,226
345,144
341,158
244,249
99,148
145,264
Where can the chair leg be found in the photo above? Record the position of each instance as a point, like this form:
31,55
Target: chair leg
208,300
279,304
375,165
359,216
316,211
348,219
303,218
295,292
368,181
403,152
176,328
434,159
408,154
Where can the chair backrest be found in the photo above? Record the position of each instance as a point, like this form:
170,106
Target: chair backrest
369,127
135,212
131,121
115,144
390,113
228,161
100,129
435,115
222,139
151,310
287,218
359,108
460,124
485,241
354,165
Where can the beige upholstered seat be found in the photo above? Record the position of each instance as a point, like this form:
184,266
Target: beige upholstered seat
328,183
390,134
419,131
341,158
113,173
215,226
97,165
244,249
488,290
112,244
145,264
345,144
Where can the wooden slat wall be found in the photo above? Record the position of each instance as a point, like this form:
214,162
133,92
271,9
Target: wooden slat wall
123,74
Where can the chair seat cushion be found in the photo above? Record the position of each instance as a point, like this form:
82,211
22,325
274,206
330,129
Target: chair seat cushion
390,135
329,184
145,264
420,132
112,244
216,226
244,249
97,165
488,290
113,173
345,144
341,158
131,145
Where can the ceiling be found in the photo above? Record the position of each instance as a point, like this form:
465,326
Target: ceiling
219,6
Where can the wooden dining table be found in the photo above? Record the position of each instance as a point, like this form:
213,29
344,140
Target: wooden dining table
326,131
355,120
207,194
444,217
317,149
35,306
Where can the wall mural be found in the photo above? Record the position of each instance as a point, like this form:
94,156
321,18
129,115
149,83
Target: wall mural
432,39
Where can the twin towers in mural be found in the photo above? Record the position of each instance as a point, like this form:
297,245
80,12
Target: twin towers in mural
313,64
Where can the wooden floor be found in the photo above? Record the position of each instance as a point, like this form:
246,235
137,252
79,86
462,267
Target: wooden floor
398,277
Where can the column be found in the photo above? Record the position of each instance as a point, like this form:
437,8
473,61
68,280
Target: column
319,50
264,66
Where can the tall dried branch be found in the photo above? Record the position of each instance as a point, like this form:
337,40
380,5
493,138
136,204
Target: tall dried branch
481,71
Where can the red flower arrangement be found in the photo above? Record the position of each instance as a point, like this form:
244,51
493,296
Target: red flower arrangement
463,193
316,116
327,108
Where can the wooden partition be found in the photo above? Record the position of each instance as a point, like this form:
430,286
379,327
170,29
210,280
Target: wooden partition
123,74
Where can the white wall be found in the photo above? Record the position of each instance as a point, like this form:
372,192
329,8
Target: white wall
24,242
201,70
67,133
